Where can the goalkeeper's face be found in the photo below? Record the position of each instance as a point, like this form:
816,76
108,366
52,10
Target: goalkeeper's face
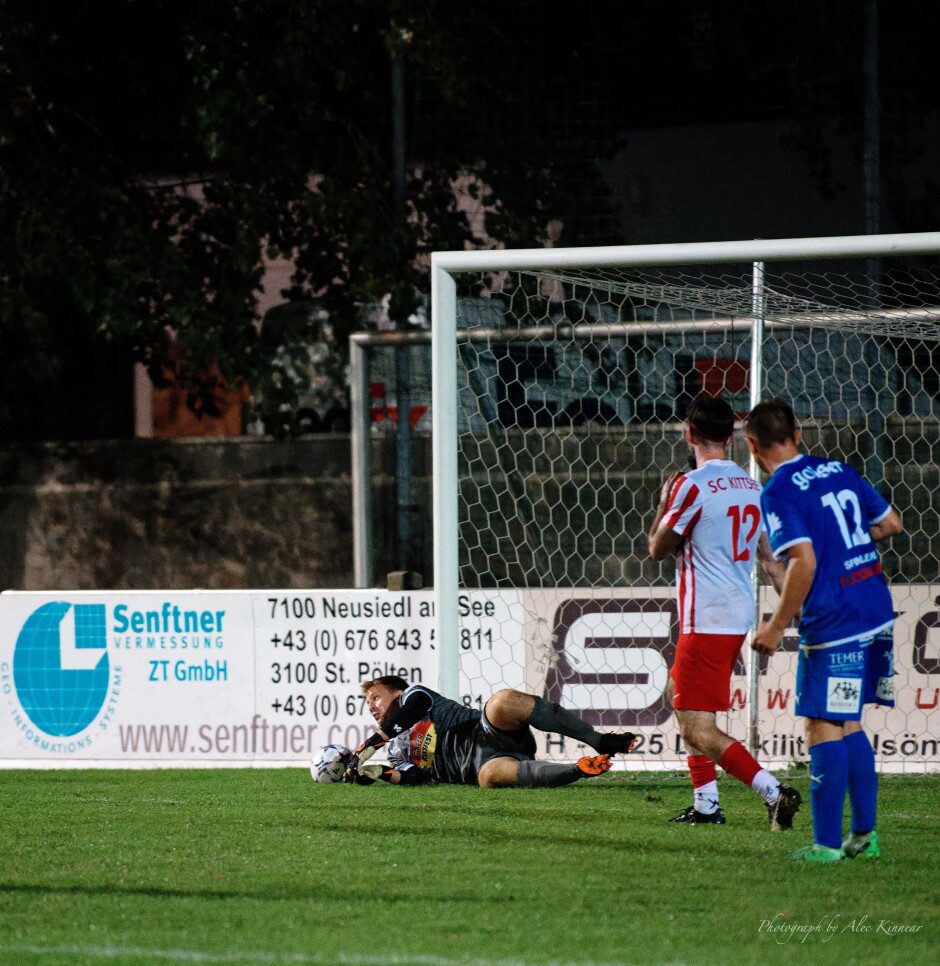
382,701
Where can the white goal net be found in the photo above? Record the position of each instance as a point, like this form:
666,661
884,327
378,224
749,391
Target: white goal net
560,381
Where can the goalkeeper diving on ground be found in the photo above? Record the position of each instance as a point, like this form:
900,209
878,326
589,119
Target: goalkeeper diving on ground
432,738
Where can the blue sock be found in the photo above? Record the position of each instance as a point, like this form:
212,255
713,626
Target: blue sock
829,778
863,781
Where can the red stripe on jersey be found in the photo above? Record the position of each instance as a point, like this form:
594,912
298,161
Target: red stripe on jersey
687,582
673,516
686,551
676,483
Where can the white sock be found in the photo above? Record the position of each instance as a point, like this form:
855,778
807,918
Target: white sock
705,798
766,786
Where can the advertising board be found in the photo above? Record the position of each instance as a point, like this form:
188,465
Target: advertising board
231,678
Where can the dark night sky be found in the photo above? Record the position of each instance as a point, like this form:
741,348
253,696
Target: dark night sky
711,120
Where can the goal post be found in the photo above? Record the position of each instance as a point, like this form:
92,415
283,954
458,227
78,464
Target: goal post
559,381
445,476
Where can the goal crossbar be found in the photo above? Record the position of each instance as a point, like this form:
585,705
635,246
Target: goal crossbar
697,253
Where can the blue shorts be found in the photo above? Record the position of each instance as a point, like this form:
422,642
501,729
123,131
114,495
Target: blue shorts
834,682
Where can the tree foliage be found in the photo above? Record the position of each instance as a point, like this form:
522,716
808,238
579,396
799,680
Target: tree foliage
151,153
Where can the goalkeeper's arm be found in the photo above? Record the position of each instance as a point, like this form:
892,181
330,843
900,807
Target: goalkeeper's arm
408,714
405,775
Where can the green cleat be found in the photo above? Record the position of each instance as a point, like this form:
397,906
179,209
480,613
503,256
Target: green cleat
817,853
862,845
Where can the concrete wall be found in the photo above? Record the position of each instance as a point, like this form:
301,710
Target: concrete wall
213,513
251,513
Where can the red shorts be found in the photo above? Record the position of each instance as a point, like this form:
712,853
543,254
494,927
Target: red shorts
701,672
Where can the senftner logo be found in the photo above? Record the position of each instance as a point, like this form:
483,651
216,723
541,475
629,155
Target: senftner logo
60,667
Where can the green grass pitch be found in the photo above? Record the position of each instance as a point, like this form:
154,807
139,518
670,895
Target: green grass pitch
266,867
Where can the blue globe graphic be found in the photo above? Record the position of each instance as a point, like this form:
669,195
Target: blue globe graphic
61,701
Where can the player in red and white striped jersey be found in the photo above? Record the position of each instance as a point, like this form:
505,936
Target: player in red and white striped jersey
710,517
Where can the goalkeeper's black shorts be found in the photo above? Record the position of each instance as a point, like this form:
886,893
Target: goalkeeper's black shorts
464,750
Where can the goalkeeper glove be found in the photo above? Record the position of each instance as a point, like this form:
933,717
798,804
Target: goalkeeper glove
367,749
362,754
356,770
357,774
370,774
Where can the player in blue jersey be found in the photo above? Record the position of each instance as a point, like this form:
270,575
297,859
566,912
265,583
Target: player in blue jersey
430,737
823,522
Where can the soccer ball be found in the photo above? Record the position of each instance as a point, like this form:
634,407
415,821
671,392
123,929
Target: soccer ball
331,765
